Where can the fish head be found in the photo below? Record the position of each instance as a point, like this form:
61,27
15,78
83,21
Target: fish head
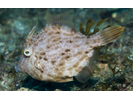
27,58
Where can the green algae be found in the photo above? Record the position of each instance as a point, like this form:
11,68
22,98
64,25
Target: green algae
89,24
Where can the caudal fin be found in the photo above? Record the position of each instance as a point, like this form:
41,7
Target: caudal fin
110,34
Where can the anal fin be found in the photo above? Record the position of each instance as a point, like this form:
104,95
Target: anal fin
87,71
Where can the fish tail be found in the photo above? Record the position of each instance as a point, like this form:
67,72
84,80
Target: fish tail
110,34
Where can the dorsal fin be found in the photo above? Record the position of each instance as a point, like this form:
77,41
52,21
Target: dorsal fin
32,31
87,71
62,19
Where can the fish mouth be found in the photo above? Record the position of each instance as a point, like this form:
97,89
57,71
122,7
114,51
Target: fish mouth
17,68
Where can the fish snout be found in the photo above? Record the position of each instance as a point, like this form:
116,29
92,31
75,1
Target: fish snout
17,68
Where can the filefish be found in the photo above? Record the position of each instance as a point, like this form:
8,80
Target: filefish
58,52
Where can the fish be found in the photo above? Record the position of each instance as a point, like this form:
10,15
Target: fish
58,52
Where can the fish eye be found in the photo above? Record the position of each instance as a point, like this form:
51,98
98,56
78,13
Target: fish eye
27,52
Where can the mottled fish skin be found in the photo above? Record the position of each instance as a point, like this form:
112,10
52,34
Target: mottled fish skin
58,53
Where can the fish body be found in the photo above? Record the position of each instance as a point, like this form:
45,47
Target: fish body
59,52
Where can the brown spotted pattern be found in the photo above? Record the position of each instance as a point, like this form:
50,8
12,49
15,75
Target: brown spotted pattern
58,53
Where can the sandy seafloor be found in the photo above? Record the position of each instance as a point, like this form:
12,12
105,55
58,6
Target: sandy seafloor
15,25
